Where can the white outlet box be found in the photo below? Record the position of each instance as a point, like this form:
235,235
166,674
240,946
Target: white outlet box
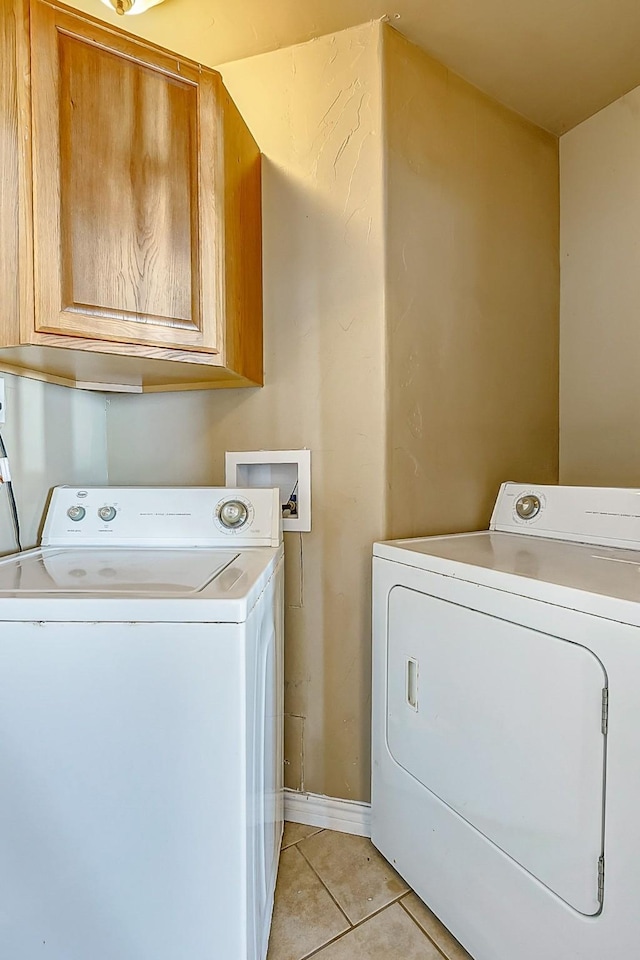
2,401
289,470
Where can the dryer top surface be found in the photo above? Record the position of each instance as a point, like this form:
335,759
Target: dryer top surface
552,570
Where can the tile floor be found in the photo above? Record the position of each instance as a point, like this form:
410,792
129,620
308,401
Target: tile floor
338,899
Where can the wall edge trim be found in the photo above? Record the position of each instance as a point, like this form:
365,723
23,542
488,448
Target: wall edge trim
331,813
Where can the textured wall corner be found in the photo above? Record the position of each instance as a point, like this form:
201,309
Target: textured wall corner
600,335
472,296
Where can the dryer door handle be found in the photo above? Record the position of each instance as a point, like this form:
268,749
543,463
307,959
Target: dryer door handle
412,683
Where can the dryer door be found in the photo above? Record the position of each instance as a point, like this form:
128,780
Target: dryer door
504,725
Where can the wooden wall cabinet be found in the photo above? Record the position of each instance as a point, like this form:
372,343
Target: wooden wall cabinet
130,212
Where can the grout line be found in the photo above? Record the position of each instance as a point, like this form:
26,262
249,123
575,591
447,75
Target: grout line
352,926
314,953
422,930
355,926
295,844
327,889
359,923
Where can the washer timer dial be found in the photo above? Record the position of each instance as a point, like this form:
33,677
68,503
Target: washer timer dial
528,507
233,514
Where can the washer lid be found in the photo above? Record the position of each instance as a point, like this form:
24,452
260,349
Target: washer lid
113,572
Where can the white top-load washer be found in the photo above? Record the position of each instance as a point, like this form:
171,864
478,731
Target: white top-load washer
141,727
506,723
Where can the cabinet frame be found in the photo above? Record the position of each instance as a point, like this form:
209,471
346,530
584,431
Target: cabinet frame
31,342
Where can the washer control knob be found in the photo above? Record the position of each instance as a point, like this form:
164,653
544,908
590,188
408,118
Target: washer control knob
528,507
107,513
233,514
76,513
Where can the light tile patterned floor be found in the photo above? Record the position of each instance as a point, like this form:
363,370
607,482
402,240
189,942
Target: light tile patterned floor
338,899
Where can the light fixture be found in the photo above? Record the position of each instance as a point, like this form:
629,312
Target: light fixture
130,6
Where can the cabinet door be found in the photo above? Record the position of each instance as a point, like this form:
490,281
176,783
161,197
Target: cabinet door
127,230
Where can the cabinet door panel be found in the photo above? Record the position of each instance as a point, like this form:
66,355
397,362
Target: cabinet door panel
131,174
120,222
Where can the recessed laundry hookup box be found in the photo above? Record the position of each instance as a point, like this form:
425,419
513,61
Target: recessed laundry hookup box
289,470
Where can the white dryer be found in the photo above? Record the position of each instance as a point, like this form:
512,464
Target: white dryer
141,727
506,722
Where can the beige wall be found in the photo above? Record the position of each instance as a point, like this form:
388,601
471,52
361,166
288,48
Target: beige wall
400,369
53,435
600,303
315,111
472,296
419,394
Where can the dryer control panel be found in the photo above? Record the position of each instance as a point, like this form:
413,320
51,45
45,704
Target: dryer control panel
163,517
609,516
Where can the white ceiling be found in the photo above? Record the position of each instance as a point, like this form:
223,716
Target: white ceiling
554,61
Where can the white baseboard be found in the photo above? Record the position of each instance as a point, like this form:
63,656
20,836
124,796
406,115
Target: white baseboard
346,816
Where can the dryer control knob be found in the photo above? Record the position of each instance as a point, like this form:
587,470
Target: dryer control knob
528,507
107,513
233,514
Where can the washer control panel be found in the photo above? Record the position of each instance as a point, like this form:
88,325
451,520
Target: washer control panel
604,515
163,516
